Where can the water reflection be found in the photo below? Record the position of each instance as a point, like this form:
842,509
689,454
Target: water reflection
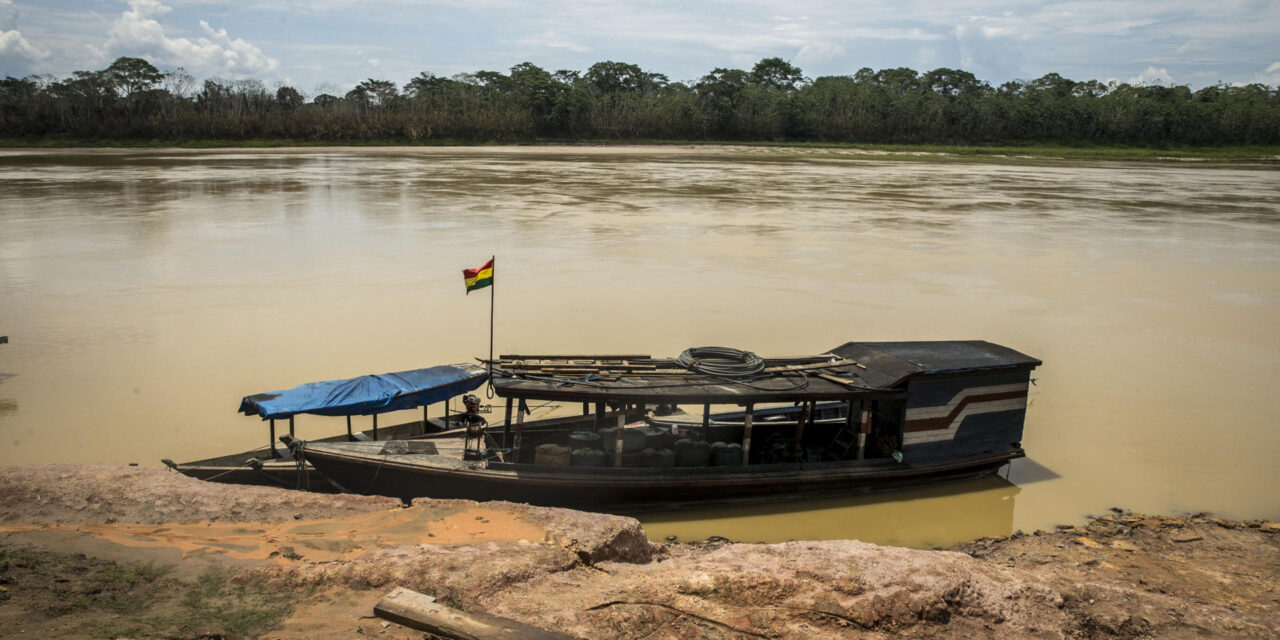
936,516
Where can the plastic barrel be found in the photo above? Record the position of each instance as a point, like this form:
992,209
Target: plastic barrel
552,454
632,440
657,458
726,454
658,438
584,440
692,453
587,458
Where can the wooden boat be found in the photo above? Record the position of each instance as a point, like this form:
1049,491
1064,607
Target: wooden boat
370,395
863,416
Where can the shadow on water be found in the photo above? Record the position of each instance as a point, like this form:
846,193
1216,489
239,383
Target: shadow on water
940,515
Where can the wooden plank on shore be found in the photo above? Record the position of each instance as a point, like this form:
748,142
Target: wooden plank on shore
419,611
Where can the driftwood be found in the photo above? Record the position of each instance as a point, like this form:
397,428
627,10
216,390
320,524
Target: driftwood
413,609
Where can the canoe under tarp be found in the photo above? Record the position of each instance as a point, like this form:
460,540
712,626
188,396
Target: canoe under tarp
368,395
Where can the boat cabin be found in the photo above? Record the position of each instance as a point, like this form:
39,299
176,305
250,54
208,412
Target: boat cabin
904,401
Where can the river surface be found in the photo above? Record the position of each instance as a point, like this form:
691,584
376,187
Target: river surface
144,293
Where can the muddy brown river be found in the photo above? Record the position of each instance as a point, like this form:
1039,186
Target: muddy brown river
144,293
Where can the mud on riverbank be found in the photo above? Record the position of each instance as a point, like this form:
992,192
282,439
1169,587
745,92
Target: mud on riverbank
90,551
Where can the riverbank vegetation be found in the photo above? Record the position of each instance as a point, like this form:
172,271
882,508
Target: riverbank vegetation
132,102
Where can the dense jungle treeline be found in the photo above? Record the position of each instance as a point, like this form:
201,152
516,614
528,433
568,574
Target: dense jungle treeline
133,100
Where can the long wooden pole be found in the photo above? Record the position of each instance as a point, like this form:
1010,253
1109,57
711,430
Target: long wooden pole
493,287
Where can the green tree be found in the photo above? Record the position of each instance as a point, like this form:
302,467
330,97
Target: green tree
777,73
133,75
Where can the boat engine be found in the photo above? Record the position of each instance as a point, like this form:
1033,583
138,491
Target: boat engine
473,446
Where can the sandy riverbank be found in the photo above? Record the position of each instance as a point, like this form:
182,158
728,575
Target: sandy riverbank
98,551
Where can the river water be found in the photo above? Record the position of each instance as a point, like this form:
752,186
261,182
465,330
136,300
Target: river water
144,293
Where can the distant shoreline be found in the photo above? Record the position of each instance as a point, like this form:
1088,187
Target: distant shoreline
1264,155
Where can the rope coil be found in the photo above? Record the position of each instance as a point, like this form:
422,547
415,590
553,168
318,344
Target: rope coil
724,362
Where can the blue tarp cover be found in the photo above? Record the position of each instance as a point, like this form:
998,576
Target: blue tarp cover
367,395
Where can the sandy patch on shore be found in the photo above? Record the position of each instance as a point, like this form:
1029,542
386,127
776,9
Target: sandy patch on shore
327,540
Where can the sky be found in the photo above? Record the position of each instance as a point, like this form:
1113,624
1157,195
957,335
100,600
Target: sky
327,46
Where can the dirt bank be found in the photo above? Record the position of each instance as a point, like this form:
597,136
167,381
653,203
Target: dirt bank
103,551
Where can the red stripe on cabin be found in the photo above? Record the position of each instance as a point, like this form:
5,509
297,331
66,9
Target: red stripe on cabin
931,424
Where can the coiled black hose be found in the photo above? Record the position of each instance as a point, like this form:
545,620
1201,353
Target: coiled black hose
724,362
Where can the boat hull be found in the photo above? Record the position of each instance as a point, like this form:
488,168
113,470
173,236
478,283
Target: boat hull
634,489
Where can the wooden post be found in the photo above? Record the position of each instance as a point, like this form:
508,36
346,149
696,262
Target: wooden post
599,415
746,435
506,426
418,611
424,418
804,415
515,454
865,430
290,425
706,416
271,442
617,446
350,436
446,413
375,426
586,408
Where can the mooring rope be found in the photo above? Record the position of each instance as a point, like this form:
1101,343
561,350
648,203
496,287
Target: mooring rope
724,362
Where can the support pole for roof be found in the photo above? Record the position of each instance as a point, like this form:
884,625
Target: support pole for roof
599,415
586,408
424,418
746,435
271,442
865,430
446,413
617,446
375,426
291,426
706,416
350,436
515,453
804,415
506,426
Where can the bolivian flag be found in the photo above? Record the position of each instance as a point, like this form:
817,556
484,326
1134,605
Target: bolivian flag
478,278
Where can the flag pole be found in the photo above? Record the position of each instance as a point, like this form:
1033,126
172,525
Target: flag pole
492,289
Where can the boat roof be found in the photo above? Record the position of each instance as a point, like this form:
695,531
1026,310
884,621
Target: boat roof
891,363
855,370
370,394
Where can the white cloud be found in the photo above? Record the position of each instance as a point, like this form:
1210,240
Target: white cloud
138,33
1152,75
8,16
17,56
818,52
1193,47
1272,74
552,40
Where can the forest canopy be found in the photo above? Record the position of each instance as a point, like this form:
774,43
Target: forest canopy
611,101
